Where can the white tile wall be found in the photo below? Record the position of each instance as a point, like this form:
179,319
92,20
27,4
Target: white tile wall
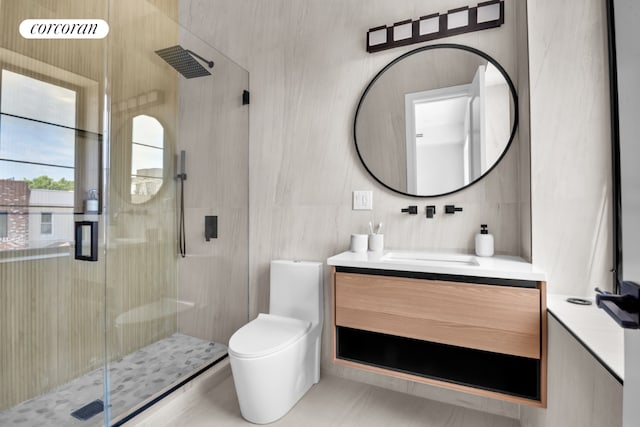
213,130
308,67
570,144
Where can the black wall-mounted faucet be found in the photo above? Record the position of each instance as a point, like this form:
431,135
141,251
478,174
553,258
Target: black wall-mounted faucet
411,210
431,211
451,209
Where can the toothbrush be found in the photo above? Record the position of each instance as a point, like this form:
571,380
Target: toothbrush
379,230
371,228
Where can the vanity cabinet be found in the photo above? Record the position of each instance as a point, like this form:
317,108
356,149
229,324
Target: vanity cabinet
482,335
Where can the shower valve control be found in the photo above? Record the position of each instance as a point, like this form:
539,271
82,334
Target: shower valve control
210,227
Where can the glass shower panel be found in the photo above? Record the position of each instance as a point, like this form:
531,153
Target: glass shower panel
141,254
168,317
52,305
213,129
86,342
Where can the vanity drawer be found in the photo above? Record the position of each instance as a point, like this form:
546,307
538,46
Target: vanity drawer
500,319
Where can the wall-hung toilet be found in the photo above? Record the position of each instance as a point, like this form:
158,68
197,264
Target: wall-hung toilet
275,358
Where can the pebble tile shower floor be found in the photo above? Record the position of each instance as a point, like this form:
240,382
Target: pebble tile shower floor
134,379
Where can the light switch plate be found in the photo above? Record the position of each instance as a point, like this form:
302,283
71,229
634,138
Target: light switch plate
362,200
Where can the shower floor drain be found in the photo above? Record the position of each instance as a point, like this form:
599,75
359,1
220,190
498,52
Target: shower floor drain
89,410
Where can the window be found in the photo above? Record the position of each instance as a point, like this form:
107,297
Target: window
147,158
38,130
46,223
37,159
4,225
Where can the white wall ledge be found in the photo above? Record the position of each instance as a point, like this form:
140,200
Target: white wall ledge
594,329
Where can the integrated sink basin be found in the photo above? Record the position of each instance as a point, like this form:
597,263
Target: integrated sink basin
448,263
429,258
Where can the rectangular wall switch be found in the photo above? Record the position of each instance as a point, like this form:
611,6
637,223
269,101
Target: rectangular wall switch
362,200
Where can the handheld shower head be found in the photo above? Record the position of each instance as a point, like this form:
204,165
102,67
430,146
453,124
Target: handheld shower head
182,60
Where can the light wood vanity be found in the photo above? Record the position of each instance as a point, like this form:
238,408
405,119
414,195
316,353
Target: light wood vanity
480,328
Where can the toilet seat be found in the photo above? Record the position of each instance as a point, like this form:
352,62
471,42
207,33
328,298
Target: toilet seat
266,334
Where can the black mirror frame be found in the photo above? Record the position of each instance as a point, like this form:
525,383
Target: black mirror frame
431,47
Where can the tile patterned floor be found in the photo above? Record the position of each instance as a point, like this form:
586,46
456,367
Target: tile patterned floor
332,402
134,379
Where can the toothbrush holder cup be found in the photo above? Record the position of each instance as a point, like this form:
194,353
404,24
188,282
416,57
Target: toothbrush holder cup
376,242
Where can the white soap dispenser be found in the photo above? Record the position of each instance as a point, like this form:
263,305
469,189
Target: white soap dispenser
484,242
92,201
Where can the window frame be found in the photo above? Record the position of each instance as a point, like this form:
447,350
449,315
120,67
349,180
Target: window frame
52,81
49,223
4,225
163,150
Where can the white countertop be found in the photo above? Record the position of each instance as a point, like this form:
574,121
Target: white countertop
597,332
500,267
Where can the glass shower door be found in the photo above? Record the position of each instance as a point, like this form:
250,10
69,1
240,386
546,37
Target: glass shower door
52,305
99,314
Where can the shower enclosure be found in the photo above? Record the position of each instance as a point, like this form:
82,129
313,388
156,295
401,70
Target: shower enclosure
99,314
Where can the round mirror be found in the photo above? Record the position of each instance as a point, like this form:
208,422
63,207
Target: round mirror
147,158
435,120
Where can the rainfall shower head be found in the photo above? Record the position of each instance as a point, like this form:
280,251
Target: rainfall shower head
182,60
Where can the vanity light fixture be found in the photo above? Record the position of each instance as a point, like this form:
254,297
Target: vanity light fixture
458,18
402,30
488,14
429,24
377,36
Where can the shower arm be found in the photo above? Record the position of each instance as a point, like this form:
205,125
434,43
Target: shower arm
209,63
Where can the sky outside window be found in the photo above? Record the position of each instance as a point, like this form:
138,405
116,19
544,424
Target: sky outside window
25,140
148,142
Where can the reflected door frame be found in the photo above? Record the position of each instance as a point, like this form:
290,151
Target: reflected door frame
411,101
